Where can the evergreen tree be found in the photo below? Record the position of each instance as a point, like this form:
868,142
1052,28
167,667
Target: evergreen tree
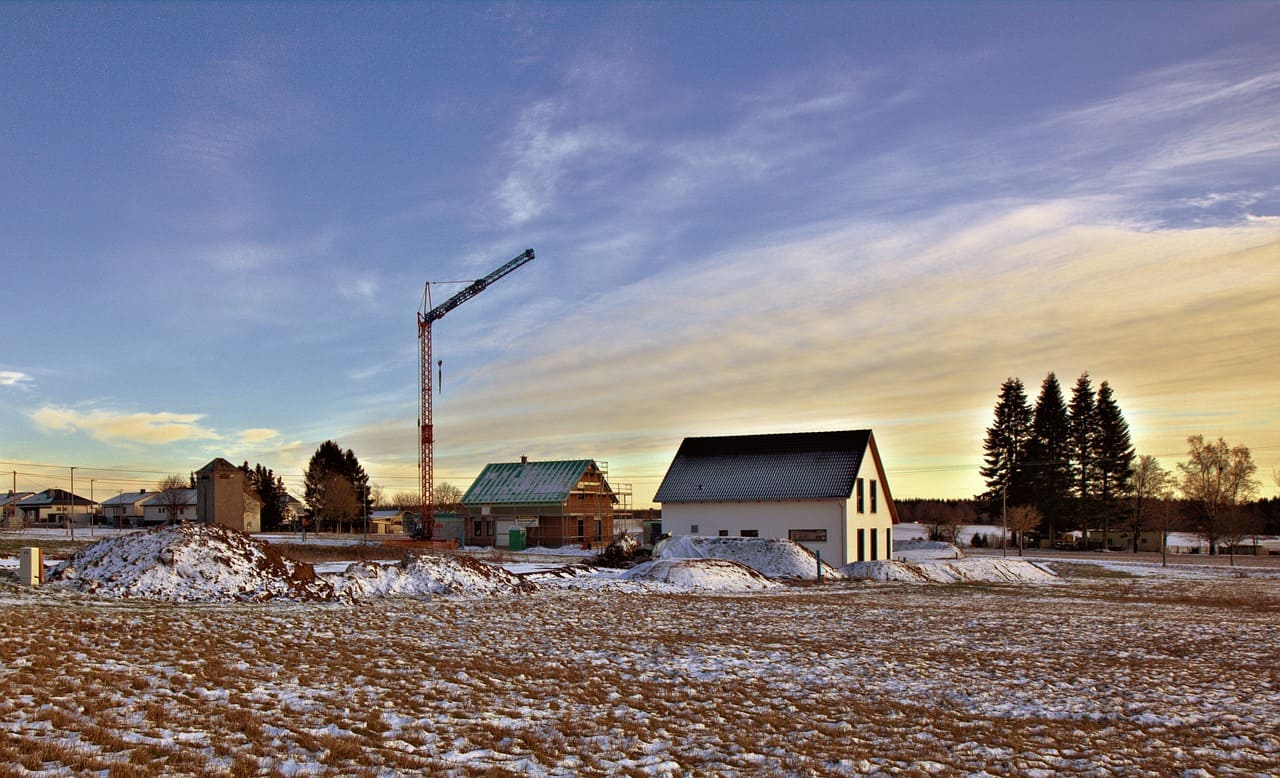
1049,452
328,466
1006,448
1113,454
1084,434
270,493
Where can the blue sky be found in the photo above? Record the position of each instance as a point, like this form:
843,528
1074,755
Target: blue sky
216,222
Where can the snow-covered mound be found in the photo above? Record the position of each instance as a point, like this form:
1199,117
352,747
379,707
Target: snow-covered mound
951,571
427,574
189,563
916,550
702,575
775,557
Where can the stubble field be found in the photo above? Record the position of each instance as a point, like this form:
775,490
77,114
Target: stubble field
1098,674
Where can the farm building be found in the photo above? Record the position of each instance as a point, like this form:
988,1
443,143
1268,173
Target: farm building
553,503
825,490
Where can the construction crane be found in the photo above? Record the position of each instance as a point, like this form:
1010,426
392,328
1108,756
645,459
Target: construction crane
427,316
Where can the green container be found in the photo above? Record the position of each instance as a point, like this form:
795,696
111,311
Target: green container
515,539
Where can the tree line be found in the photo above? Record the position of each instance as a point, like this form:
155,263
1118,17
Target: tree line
1059,465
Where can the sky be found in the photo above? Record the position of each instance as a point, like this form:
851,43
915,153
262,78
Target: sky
218,222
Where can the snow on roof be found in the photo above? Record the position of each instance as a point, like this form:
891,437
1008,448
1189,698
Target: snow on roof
189,562
703,575
774,557
789,466
128,498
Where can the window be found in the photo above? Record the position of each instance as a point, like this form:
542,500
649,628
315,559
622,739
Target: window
599,528
862,545
858,493
873,496
724,533
809,535
693,529
749,533
477,528
581,528
875,536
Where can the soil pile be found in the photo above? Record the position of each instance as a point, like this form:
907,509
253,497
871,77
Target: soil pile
427,574
701,575
951,571
774,557
189,563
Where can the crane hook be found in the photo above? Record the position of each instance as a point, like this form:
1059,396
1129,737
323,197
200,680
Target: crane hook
440,374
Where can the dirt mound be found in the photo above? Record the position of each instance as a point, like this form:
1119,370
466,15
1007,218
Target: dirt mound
189,563
427,574
775,557
703,575
916,550
951,571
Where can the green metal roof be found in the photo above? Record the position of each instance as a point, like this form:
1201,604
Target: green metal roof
526,483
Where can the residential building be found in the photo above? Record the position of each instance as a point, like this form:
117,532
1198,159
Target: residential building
824,490
171,506
9,518
552,504
52,506
125,509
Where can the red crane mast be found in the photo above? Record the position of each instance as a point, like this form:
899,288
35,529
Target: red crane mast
426,453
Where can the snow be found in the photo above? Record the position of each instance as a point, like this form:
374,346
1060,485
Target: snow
424,575
701,575
986,569
188,562
774,557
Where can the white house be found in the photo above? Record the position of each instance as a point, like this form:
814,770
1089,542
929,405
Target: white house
9,517
824,490
173,505
125,509
52,506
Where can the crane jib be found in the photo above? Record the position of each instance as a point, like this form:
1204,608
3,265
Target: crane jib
476,287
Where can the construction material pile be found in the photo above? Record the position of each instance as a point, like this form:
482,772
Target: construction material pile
701,575
774,557
425,575
980,569
189,563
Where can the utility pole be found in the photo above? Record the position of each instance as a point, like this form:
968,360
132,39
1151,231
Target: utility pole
71,524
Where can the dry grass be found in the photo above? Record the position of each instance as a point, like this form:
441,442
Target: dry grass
1101,676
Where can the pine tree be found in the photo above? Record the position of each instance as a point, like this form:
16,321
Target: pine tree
1084,434
1006,447
1049,452
1114,453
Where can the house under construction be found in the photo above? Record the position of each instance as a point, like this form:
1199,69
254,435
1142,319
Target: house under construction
549,504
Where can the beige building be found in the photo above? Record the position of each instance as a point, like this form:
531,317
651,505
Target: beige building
223,497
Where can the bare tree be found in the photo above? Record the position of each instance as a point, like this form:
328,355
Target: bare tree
1021,520
1216,479
1149,485
338,505
172,495
447,497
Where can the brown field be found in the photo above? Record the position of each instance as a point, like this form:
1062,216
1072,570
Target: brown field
1101,674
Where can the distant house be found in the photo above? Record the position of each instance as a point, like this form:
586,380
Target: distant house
223,497
172,506
555,503
824,490
389,522
125,509
291,511
9,518
52,507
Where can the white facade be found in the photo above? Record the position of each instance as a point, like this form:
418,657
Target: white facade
856,528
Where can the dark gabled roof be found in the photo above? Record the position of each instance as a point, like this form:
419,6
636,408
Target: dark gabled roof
526,483
787,466
53,497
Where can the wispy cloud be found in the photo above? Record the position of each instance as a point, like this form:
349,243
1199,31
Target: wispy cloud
15,378
118,427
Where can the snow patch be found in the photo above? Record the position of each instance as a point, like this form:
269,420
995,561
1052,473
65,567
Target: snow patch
774,557
951,571
702,575
427,574
189,563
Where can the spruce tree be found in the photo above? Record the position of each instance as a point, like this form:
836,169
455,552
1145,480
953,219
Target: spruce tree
1084,435
1006,447
1114,453
1049,452
330,462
